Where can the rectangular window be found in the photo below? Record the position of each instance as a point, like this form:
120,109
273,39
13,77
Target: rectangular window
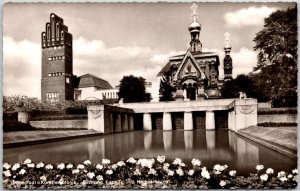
49,74
67,80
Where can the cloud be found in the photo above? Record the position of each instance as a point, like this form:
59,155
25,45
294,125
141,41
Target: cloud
252,16
21,67
163,58
243,61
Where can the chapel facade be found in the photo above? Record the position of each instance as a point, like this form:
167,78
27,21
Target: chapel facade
195,74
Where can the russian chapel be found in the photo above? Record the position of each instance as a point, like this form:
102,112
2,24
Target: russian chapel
195,74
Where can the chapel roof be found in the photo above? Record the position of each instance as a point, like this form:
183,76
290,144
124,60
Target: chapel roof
89,80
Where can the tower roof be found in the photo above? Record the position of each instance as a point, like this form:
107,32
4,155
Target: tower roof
89,80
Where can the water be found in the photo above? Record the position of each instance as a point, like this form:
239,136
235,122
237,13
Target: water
211,147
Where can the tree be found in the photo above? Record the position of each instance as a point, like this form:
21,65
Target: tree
242,83
276,70
132,89
165,88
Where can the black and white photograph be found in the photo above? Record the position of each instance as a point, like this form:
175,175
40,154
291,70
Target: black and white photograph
149,95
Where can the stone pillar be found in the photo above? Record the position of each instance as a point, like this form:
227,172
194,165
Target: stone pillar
188,120
147,122
96,117
124,122
245,113
188,139
184,94
210,120
130,123
167,137
23,117
118,123
210,139
167,121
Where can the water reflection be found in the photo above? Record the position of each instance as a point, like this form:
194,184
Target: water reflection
211,147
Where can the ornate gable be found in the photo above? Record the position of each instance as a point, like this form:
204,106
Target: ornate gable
189,68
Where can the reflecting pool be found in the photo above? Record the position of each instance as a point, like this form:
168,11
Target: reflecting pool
211,147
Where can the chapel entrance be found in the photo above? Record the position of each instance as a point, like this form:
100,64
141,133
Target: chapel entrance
191,93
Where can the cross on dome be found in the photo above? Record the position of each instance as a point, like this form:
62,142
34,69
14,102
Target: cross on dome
227,38
194,14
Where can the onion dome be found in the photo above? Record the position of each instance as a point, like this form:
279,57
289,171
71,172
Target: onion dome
195,27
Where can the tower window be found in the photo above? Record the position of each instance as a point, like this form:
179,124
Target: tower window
67,80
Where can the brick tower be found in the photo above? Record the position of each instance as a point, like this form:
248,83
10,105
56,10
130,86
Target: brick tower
57,62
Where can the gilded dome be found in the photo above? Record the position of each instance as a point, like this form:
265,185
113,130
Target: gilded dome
195,26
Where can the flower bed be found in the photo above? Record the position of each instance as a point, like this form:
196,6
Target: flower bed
154,173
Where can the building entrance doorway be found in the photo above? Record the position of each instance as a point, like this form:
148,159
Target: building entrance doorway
191,93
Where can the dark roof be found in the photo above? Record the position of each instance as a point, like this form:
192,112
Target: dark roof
164,69
89,80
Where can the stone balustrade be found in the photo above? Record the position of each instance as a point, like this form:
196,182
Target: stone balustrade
242,113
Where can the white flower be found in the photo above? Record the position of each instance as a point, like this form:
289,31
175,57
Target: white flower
264,177
281,174
232,172
99,166
109,172
137,172
30,165
61,166
259,167
283,179
69,166
170,173
222,183
166,166
61,181
49,167
152,171
217,172
180,172
120,163
22,171
269,171
99,178
91,175
6,166
295,171
87,162
182,164
40,165
131,160
222,167
114,166
75,171
7,173
15,167
177,161
191,172
290,176
80,166
217,167
225,166
27,161
146,162
43,178
205,173
161,159
295,178
196,162
105,161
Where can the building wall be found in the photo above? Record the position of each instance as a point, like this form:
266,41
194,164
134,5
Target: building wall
91,93
277,118
72,124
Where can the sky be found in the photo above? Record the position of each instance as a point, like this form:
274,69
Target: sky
111,40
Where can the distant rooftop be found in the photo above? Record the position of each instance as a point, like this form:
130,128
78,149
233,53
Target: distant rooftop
89,80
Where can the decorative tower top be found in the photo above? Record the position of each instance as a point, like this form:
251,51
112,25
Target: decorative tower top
195,28
227,46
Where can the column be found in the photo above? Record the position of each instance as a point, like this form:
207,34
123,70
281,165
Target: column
167,138
96,117
210,120
167,121
124,123
117,123
188,120
130,123
188,139
210,139
147,122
